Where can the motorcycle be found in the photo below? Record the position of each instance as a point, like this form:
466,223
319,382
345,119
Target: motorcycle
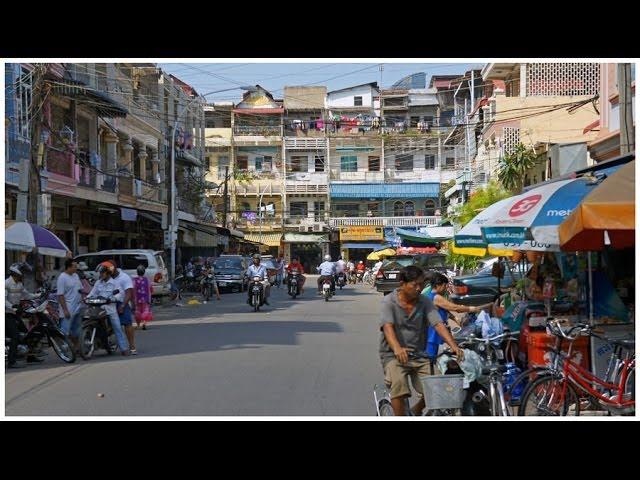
359,276
257,293
41,326
341,280
294,283
352,278
326,289
207,286
97,331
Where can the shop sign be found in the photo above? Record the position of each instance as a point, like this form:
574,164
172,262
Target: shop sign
363,232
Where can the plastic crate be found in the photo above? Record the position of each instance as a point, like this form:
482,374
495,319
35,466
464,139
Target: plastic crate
443,391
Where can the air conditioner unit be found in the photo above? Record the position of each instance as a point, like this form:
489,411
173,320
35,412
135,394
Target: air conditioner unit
302,228
317,227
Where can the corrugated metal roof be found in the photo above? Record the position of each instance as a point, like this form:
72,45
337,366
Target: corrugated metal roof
382,190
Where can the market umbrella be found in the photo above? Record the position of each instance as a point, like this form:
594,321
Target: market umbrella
608,210
387,252
26,237
469,240
536,215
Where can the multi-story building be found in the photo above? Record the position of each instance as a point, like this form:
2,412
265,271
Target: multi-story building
607,143
544,106
257,158
306,195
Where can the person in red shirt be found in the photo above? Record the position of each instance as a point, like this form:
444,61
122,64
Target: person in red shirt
361,267
295,264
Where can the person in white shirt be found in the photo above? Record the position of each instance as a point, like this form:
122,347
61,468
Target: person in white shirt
258,270
327,269
69,289
105,287
125,284
351,269
14,292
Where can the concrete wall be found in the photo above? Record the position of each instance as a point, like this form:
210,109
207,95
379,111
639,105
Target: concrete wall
344,98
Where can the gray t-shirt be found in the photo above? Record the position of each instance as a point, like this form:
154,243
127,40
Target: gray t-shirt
411,330
69,286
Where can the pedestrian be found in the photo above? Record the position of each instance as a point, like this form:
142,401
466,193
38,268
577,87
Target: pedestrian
279,270
105,287
14,293
125,285
142,297
70,289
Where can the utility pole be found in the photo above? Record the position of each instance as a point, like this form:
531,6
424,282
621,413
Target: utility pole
226,195
627,130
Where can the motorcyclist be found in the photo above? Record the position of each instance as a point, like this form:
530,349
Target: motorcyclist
258,270
14,292
104,287
351,270
327,269
296,265
208,268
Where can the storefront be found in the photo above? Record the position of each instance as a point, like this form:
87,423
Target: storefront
268,243
308,248
357,242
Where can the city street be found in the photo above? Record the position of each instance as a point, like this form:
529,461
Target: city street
302,357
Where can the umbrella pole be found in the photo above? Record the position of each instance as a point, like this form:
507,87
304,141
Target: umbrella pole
590,288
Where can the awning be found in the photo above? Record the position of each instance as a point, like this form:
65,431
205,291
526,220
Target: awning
186,157
290,237
151,216
388,190
370,246
269,239
99,101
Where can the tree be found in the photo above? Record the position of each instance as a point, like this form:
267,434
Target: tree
478,201
514,166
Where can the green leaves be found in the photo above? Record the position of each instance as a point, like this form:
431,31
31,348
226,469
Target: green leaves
478,201
514,166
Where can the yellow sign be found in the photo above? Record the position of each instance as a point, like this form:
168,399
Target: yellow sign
362,233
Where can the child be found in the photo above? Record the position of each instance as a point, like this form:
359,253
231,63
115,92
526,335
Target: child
142,298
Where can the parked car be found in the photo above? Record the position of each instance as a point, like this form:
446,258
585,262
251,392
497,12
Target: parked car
230,272
388,277
481,288
128,261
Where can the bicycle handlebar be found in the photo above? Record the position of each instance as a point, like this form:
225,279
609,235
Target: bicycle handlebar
556,329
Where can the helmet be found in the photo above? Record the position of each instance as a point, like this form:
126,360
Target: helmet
15,269
256,255
105,267
140,270
327,258
360,261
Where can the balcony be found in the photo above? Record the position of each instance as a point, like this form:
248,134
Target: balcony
307,182
109,183
266,188
310,133
60,162
384,221
255,224
257,131
18,147
88,177
416,175
304,143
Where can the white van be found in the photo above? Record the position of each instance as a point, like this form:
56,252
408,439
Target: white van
128,261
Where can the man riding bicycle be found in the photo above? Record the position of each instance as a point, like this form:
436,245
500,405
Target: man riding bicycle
404,320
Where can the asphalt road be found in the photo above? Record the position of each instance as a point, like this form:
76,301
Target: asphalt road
295,357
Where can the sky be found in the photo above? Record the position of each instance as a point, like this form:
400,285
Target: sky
208,77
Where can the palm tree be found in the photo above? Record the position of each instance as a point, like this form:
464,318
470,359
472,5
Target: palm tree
514,166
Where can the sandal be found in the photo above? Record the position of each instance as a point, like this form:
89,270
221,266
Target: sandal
133,351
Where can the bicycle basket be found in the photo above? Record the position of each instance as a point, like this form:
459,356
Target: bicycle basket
443,391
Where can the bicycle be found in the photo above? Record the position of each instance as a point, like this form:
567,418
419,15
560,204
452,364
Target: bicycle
492,372
556,390
444,394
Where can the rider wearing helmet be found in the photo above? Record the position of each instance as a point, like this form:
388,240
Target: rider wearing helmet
14,292
327,269
105,287
208,268
258,270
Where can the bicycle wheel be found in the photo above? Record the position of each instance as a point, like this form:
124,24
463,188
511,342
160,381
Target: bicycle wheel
385,409
544,398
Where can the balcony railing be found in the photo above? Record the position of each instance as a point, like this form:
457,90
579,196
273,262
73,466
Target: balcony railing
87,177
60,162
264,131
18,147
309,219
255,223
109,183
260,188
384,221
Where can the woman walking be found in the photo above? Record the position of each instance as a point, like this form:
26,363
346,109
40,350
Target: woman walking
142,298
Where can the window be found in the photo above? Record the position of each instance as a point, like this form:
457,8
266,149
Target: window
299,163
347,209
259,164
298,209
242,162
450,162
398,209
404,163
409,209
318,210
131,262
374,164
267,163
429,208
429,162
413,122
357,101
349,163
373,208
319,163
223,163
